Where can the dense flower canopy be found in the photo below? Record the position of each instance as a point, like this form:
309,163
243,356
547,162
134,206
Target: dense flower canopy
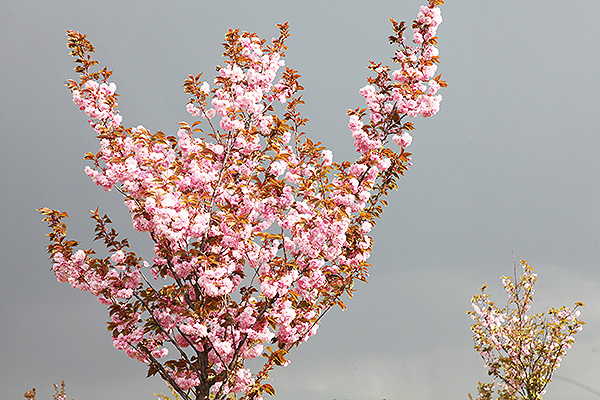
257,232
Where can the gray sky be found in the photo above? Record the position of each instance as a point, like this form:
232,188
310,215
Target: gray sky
509,164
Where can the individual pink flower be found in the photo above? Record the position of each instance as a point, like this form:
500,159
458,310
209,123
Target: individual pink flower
209,114
355,123
404,140
417,37
195,111
277,168
327,157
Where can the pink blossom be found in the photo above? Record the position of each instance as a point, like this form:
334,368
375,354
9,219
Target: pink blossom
118,257
205,88
327,158
209,114
404,140
277,168
195,111
417,37
355,123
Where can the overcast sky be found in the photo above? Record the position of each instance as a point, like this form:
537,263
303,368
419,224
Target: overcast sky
509,164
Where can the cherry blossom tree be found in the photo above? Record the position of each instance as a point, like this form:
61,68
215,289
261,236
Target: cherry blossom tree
520,351
257,231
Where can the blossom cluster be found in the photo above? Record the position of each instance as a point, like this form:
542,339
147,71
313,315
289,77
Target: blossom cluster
97,101
410,90
257,232
521,351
